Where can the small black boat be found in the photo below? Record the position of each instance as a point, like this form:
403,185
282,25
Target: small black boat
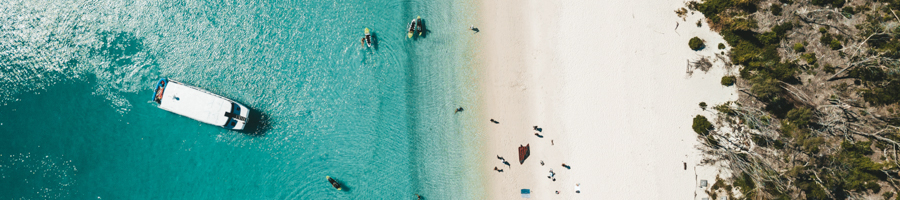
413,27
334,183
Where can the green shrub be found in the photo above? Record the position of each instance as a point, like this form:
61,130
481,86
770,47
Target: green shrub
799,47
701,125
799,116
765,88
725,109
831,41
696,44
745,183
810,58
728,80
721,46
768,38
861,173
776,9
835,44
703,105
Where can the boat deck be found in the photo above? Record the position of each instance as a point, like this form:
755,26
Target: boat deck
195,104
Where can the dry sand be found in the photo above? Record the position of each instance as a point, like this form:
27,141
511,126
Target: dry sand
606,81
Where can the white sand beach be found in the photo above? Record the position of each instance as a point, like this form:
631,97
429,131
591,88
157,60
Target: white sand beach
607,82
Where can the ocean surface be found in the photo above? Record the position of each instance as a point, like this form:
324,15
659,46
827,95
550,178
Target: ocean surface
76,120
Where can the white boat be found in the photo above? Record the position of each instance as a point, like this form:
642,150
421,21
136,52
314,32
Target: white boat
200,104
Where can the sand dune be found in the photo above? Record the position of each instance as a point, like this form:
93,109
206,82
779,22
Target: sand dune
607,82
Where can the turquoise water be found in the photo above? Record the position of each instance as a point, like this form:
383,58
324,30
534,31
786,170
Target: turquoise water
76,121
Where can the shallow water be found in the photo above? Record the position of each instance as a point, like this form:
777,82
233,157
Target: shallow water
77,77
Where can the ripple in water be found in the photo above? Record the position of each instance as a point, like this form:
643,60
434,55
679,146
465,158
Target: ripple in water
46,42
47,177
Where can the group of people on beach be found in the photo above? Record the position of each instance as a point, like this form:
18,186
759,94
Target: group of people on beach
551,175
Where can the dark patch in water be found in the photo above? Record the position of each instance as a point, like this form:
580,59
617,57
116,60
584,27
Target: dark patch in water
120,46
258,124
374,40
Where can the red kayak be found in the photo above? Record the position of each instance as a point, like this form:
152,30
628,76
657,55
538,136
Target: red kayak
524,152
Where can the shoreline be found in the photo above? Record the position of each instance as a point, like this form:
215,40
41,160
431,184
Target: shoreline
610,91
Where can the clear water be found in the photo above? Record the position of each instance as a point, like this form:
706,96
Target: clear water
76,78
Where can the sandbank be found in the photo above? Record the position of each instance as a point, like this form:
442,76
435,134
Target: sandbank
607,82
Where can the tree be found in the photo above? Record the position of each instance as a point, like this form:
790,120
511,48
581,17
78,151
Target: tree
696,44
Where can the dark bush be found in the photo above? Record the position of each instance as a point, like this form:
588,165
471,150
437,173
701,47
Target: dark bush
868,74
765,88
728,80
862,171
696,44
834,3
838,3
701,125
799,116
721,46
828,68
745,183
884,95
776,9
848,11
703,105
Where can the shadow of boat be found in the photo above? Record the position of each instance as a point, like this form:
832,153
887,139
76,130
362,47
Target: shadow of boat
258,124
